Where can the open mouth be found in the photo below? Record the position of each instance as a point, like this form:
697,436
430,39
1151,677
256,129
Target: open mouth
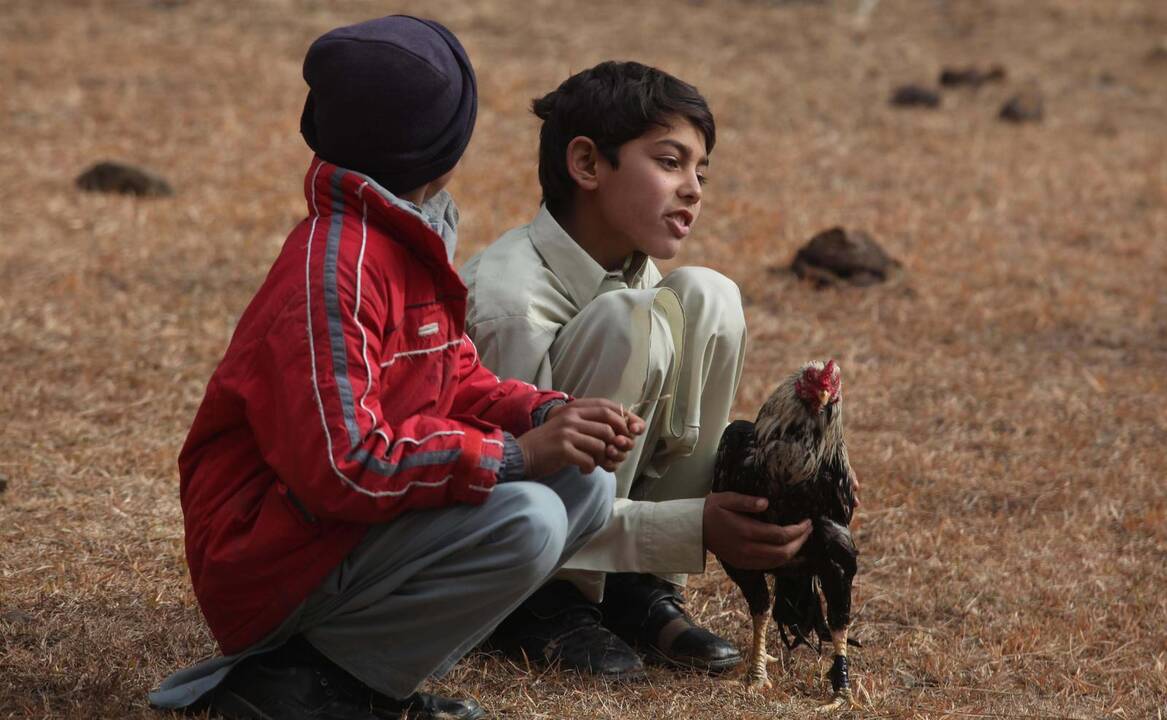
679,222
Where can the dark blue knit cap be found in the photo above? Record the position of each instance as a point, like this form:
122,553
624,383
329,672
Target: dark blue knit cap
394,98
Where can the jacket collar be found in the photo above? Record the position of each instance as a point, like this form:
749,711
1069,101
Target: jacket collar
580,274
429,231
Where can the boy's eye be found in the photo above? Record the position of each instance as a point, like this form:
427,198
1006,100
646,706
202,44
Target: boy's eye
670,162
702,179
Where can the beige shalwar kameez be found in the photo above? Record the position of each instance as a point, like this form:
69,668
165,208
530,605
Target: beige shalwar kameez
670,349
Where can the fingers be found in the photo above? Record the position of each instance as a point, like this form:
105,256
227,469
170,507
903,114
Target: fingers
619,417
582,460
615,453
757,556
623,443
593,446
608,414
613,458
598,430
772,546
590,433
739,502
760,545
764,532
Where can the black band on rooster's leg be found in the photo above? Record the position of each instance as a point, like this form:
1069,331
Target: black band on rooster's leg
840,683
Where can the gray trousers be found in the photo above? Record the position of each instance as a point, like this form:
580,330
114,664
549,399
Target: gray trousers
423,590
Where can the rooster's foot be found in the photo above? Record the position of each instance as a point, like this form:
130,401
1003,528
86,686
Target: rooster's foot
756,682
841,684
842,700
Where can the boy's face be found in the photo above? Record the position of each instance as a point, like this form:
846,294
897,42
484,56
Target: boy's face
650,201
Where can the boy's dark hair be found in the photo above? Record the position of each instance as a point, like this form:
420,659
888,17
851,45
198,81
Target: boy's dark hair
611,103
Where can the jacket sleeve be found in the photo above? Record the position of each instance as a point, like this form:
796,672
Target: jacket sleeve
313,401
510,403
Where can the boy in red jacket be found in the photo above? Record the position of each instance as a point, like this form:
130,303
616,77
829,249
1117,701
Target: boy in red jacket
363,500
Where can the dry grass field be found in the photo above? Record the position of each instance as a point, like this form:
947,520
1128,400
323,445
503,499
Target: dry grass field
1005,397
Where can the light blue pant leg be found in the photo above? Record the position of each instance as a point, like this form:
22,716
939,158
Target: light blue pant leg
422,591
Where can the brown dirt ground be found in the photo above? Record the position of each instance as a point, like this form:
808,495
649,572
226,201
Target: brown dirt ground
1005,399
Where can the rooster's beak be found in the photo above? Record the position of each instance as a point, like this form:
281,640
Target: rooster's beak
824,397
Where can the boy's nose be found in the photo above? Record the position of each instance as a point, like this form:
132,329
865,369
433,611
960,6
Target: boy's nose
691,189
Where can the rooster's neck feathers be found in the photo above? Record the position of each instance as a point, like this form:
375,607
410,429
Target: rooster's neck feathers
793,442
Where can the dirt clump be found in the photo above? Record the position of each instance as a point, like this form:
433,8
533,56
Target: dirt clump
837,256
116,177
1026,106
972,77
915,96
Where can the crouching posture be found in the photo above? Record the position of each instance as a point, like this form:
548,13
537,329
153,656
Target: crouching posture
573,301
364,501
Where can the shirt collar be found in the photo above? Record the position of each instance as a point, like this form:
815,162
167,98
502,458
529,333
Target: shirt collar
580,274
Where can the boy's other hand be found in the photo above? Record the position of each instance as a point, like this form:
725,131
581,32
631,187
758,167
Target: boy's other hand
587,433
730,533
626,431
618,417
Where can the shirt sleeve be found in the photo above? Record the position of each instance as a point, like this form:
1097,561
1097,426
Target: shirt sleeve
515,347
645,536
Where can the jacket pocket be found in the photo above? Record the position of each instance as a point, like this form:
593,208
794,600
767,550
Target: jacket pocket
418,367
296,507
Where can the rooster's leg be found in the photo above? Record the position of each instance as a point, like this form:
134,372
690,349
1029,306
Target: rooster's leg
756,676
836,580
840,682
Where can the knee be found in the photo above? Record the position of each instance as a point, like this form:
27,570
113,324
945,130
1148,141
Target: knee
707,293
612,310
535,531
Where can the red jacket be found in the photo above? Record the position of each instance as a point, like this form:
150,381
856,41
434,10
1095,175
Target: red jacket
349,394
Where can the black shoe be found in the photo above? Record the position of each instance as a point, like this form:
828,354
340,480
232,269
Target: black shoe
423,706
558,625
290,683
297,681
646,612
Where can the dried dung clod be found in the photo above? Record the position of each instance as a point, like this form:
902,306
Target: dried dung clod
972,77
1023,107
840,256
115,177
915,96
1157,54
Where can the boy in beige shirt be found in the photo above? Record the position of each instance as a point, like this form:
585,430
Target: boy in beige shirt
573,302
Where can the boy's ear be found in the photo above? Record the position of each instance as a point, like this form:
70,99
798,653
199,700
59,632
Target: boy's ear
582,156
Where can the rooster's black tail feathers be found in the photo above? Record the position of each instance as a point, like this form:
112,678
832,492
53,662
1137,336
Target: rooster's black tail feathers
798,611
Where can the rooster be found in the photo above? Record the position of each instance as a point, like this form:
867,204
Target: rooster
795,456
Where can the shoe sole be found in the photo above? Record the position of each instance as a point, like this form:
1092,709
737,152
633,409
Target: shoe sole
440,716
631,676
716,667
521,659
227,703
